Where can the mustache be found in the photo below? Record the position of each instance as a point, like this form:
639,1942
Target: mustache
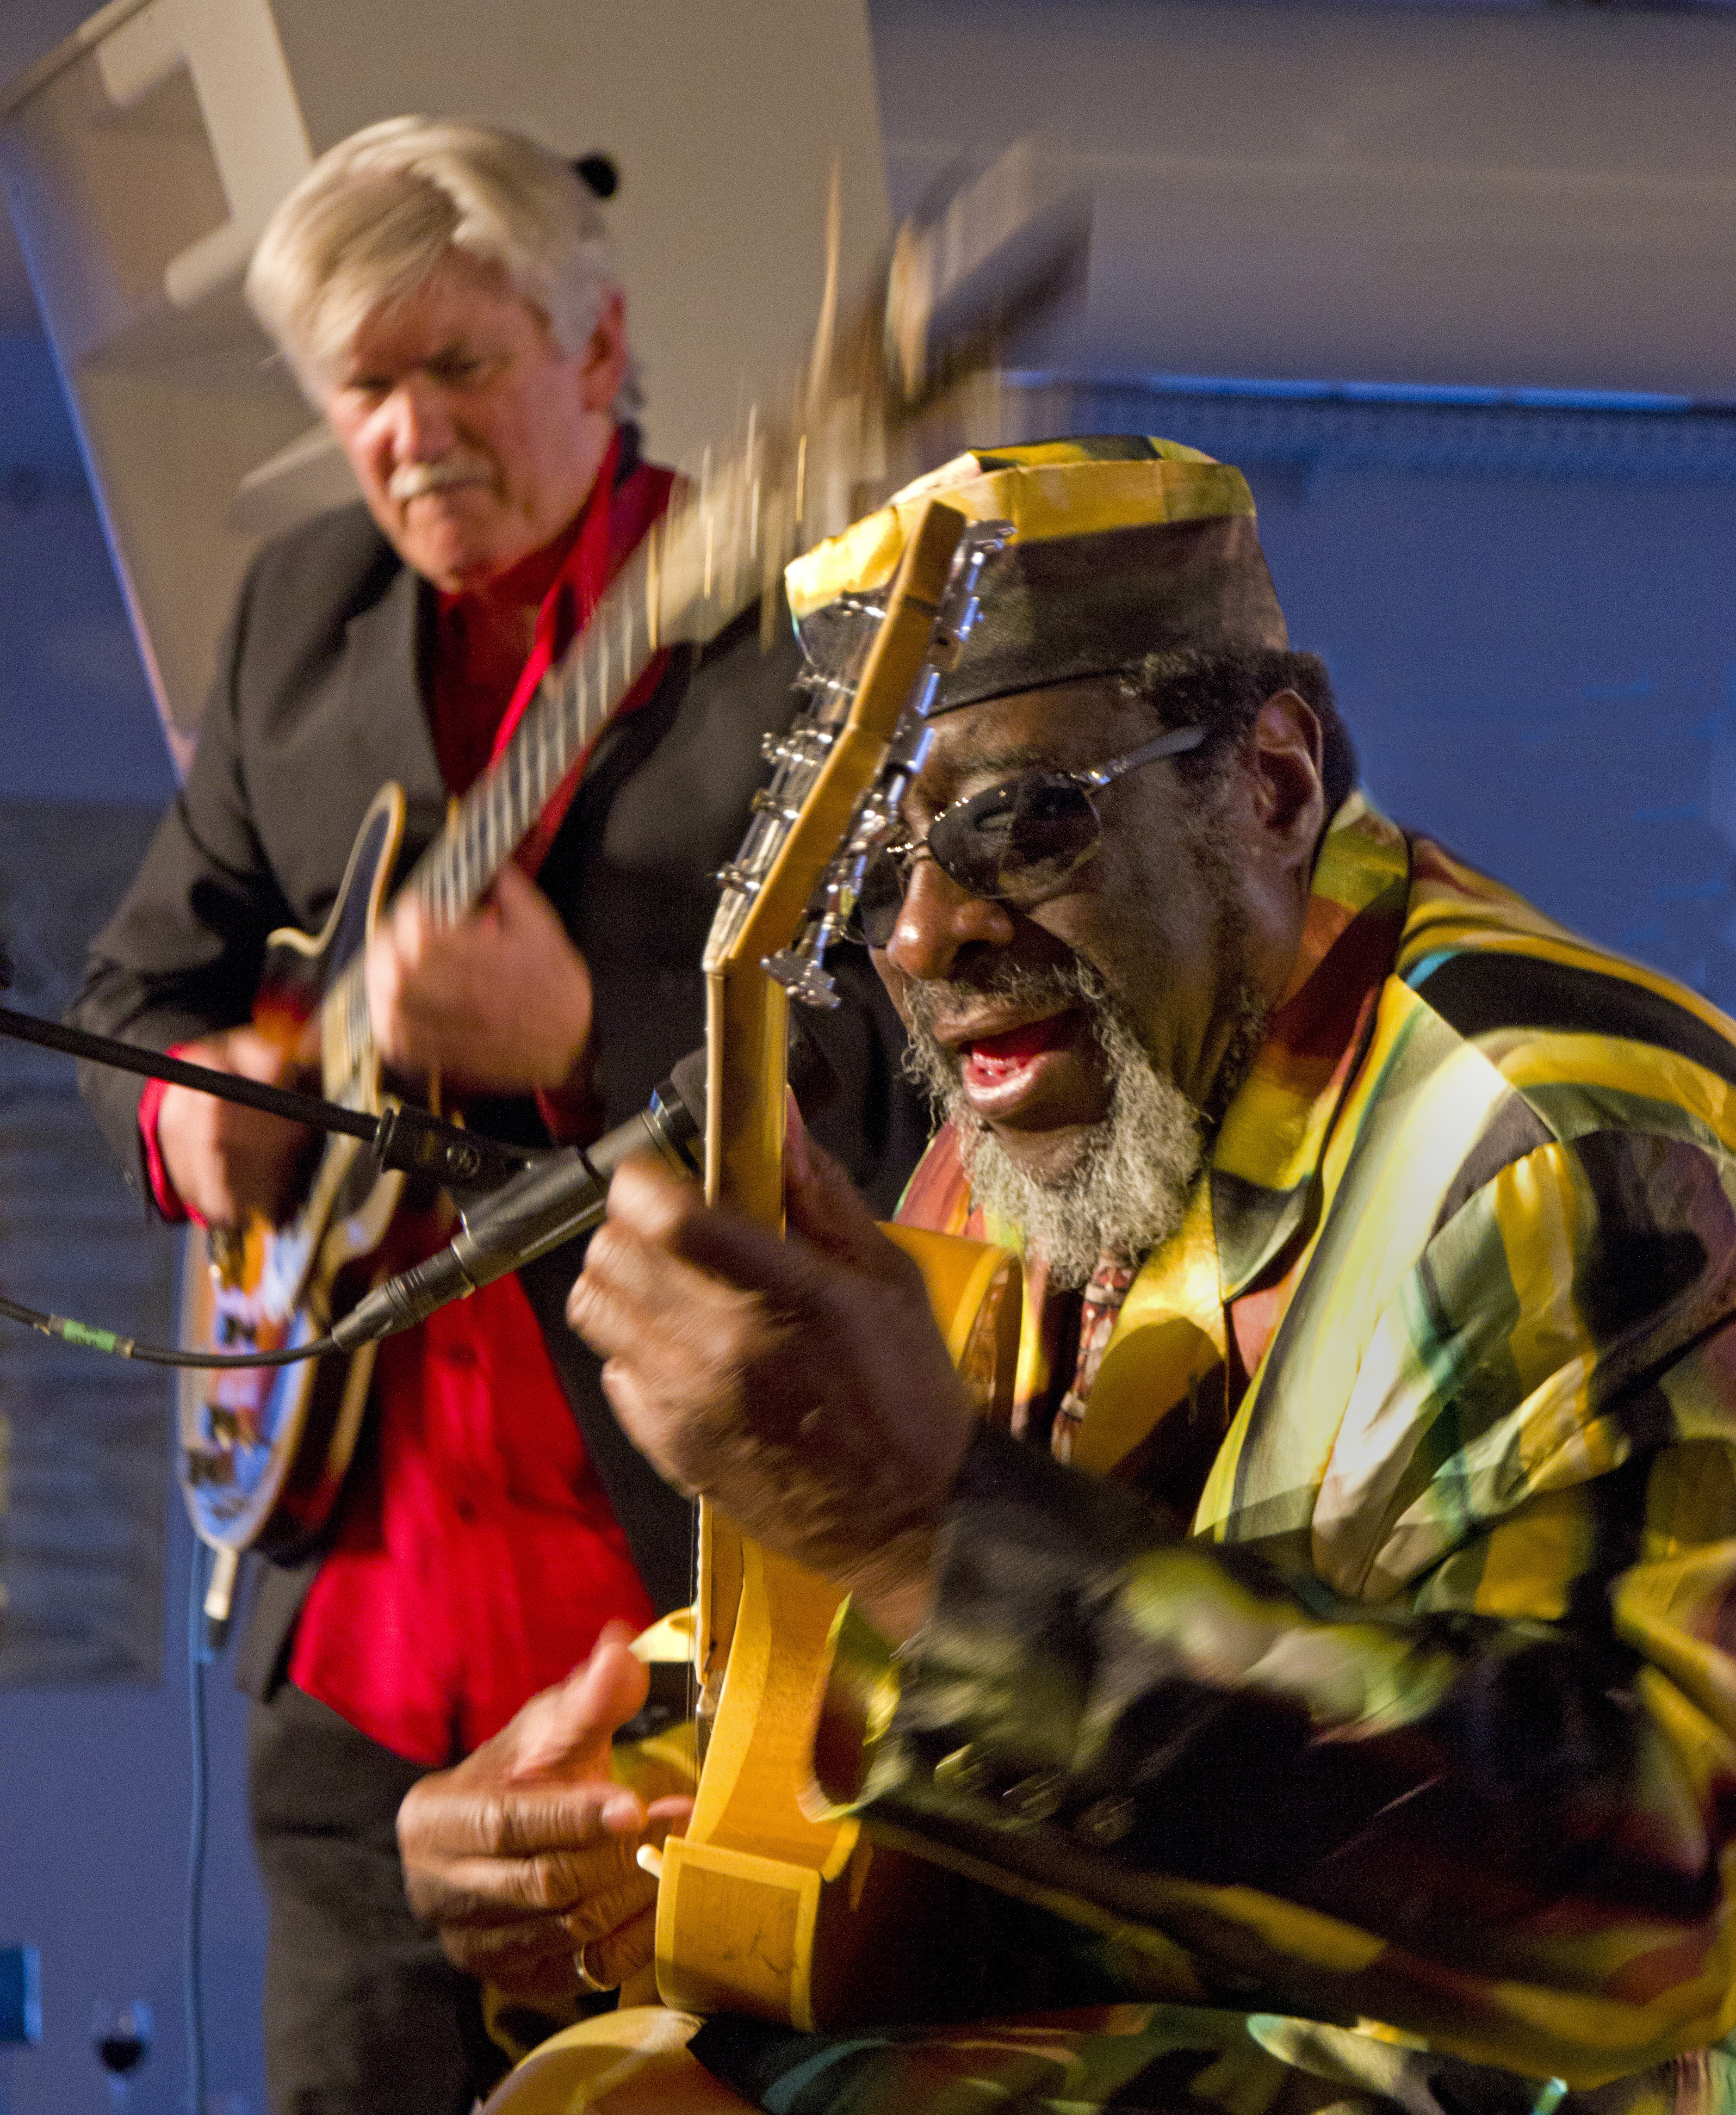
414,479
1038,990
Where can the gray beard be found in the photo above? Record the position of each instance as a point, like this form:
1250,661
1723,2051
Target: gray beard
1128,1188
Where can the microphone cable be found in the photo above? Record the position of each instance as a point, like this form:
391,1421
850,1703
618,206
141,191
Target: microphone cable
89,1339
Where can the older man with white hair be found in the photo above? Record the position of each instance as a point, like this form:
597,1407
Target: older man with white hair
447,295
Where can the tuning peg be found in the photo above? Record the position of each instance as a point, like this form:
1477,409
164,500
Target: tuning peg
802,977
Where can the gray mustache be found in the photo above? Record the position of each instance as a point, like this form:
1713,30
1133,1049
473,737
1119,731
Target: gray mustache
414,479
1060,985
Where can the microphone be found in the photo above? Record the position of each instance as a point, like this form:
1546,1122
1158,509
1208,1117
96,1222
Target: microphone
563,1195
559,1197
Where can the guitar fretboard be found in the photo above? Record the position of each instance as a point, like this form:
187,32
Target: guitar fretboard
562,721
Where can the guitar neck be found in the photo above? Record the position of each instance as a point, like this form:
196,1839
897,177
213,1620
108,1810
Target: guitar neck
720,545
571,706
789,847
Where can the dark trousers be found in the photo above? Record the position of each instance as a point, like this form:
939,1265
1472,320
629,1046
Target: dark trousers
363,2014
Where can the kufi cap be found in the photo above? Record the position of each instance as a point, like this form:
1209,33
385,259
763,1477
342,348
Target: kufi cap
1121,547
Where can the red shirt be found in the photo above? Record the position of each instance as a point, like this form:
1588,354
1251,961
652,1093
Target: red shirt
476,1555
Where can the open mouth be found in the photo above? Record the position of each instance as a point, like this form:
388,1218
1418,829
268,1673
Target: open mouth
1000,1072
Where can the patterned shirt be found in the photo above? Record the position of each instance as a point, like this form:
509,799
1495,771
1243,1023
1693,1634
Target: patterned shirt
1408,1777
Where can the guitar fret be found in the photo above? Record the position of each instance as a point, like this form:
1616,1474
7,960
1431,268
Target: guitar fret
468,857
557,739
581,708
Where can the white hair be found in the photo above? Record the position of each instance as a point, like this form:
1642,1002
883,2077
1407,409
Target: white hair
375,214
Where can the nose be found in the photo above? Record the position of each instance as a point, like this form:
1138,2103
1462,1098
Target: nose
417,420
938,920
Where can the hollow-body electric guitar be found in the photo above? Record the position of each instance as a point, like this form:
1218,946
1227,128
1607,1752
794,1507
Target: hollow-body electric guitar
762,1906
264,1451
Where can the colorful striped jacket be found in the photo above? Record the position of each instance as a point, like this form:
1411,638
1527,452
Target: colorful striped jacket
1408,1776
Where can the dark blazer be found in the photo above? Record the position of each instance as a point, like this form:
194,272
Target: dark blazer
319,700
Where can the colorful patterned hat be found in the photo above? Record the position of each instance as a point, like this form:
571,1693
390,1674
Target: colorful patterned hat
1122,547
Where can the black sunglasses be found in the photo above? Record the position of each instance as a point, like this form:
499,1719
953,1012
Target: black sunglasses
1016,842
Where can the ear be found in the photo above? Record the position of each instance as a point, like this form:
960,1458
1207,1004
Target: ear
1289,793
605,356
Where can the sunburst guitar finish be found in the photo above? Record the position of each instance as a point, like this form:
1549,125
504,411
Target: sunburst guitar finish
264,1450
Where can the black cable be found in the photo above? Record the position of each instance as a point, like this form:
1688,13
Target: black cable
194,1986
154,1355
412,1140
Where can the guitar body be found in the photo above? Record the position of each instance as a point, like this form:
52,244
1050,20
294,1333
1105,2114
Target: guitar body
766,1905
632,2061
264,1450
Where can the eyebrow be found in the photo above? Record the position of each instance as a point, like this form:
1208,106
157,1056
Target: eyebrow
455,348
1011,756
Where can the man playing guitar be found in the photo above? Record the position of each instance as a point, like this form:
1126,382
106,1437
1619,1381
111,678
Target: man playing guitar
447,295
1323,1677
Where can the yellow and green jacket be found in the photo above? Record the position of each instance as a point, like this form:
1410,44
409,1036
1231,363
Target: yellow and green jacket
1359,1728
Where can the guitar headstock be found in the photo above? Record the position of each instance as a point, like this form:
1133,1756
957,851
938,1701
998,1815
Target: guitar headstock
983,256
841,772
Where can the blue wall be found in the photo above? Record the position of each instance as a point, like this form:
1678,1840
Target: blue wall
95,1783
76,721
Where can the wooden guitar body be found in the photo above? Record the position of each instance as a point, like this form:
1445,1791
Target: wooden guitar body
632,2061
264,1450
766,1905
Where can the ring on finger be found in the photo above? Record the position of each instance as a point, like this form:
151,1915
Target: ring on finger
596,1989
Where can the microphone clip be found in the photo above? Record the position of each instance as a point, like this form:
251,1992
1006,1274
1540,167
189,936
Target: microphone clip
463,1163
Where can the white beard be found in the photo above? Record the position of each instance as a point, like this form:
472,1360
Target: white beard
1127,1188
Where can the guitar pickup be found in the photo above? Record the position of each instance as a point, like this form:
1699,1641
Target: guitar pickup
203,1466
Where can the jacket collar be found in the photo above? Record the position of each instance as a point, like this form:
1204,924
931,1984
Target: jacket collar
1265,1161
